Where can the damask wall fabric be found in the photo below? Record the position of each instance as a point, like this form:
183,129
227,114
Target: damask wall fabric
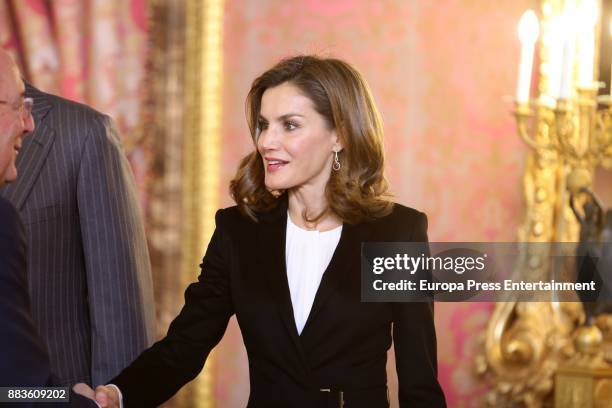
90,51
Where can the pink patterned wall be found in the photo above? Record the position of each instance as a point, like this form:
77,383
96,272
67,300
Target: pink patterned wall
441,72
90,51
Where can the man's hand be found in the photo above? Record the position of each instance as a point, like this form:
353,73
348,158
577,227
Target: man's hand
105,396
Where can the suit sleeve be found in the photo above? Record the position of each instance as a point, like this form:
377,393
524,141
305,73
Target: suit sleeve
414,339
23,356
178,358
117,261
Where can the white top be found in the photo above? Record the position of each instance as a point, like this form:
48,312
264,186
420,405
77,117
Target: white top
307,254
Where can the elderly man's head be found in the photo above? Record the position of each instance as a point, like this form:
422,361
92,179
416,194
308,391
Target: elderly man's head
15,116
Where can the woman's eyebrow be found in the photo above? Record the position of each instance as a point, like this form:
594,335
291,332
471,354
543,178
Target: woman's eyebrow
282,117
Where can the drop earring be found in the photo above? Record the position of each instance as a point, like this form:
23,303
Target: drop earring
336,166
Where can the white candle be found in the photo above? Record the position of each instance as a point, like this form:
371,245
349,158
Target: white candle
569,44
528,34
556,36
587,56
610,28
588,15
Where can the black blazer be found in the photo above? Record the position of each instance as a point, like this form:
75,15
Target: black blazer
343,346
23,356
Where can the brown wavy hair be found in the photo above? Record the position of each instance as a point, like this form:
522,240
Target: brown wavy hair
359,190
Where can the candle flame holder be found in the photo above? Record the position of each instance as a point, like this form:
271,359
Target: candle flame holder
579,133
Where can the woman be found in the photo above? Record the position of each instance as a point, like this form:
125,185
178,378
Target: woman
285,260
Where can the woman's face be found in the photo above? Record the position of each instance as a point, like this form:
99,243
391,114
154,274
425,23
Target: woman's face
295,142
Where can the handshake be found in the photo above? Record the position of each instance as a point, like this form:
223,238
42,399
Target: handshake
104,395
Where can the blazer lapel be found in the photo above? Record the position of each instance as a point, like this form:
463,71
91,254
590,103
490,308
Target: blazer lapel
271,254
345,256
34,151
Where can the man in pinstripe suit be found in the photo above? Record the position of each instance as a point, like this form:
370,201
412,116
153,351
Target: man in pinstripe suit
88,263
23,355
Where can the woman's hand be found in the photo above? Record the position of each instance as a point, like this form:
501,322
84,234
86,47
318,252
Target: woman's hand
107,396
104,395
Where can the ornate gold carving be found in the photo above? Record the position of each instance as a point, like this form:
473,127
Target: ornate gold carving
183,114
574,392
525,343
604,322
203,68
585,380
163,123
603,394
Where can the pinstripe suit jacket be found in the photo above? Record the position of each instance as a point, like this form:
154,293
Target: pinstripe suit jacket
88,263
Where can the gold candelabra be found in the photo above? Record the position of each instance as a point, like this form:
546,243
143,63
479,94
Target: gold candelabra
531,346
575,130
